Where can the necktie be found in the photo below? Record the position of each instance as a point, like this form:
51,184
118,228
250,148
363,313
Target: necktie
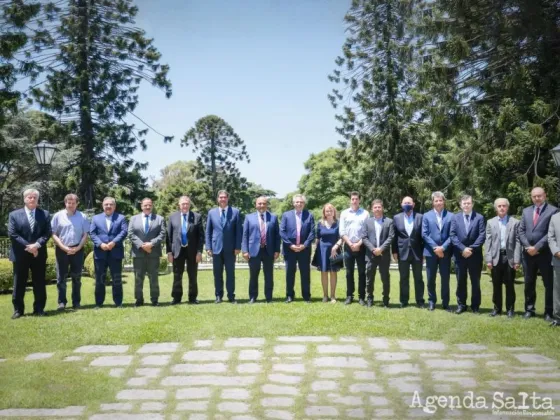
147,224
467,222
184,239
223,217
298,227
536,216
32,220
263,230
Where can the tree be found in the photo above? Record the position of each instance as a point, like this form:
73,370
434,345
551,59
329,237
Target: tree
94,71
378,121
218,148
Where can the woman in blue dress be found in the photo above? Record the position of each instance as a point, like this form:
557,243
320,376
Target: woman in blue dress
327,237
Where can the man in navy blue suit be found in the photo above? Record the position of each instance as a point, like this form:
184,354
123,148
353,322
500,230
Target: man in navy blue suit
436,226
223,243
536,256
29,230
407,250
468,234
108,231
297,230
261,244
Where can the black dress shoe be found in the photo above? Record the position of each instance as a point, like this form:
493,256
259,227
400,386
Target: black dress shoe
308,301
233,301
252,300
421,306
431,306
495,312
289,299
16,315
155,303
528,315
362,302
219,299
40,313
349,300
475,310
548,318
176,301
386,304
369,303
460,310
404,305
269,301
194,302
555,324
139,303
510,314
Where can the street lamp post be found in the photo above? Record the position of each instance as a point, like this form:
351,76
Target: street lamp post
44,153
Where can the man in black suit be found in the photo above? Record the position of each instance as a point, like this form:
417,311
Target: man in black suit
378,236
407,250
29,230
185,240
533,235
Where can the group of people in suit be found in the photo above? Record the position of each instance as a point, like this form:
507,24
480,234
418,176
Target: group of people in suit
364,242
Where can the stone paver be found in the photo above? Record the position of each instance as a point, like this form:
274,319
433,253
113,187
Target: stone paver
318,386
338,349
421,345
277,402
194,393
116,372
330,374
345,400
126,416
208,380
321,411
305,339
290,349
279,389
449,364
251,354
366,387
141,394
192,406
102,349
279,414
356,413
159,348
43,412
284,379
244,342
148,372
141,381
110,361
249,368
203,343
39,356
364,375
156,360
206,356
341,362
378,343
535,359
289,367
233,407
398,368
406,385
235,394
387,356
116,407
152,406
472,347
378,401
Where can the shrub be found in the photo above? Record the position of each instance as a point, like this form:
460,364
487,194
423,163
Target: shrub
89,266
50,273
6,274
163,264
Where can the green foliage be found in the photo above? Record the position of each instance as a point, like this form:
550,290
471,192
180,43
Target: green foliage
89,267
6,274
163,265
219,148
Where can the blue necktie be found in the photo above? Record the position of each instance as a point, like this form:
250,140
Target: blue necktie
147,225
184,240
223,217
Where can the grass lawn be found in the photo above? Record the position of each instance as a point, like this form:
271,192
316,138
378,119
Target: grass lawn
54,383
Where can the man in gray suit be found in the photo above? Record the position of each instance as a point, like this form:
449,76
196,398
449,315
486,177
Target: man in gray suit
533,235
554,244
147,233
185,239
378,236
502,255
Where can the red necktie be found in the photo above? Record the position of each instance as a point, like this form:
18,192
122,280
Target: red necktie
536,216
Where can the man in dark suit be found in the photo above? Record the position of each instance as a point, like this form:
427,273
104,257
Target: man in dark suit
29,230
147,233
185,240
378,237
554,245
503,255
407,250
436,225
108,231
467,236
536,256
297,230
261,244
224,229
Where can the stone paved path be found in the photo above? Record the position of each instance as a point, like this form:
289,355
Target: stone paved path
303,378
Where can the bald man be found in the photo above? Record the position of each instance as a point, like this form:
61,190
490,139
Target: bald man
407,250
536,256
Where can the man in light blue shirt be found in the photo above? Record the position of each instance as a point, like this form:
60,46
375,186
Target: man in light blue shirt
352,230
69,231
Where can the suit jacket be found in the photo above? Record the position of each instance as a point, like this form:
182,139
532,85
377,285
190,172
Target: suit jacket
433,236
226,238
251,242
155,235
554,238
288,229
536,236
21,235
404,244
493,243
473,239
385,238
117,234
195,234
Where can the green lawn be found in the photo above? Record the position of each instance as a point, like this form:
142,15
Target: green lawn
57,383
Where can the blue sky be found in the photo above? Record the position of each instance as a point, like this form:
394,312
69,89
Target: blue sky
261,65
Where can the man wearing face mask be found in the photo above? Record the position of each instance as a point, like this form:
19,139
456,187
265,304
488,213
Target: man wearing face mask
468,234
407,250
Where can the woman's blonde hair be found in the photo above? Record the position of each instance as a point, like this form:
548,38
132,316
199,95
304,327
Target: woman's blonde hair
324,219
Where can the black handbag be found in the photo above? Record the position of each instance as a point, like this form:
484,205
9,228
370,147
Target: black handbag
338,259
315,259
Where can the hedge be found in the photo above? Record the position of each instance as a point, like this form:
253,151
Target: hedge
6,271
